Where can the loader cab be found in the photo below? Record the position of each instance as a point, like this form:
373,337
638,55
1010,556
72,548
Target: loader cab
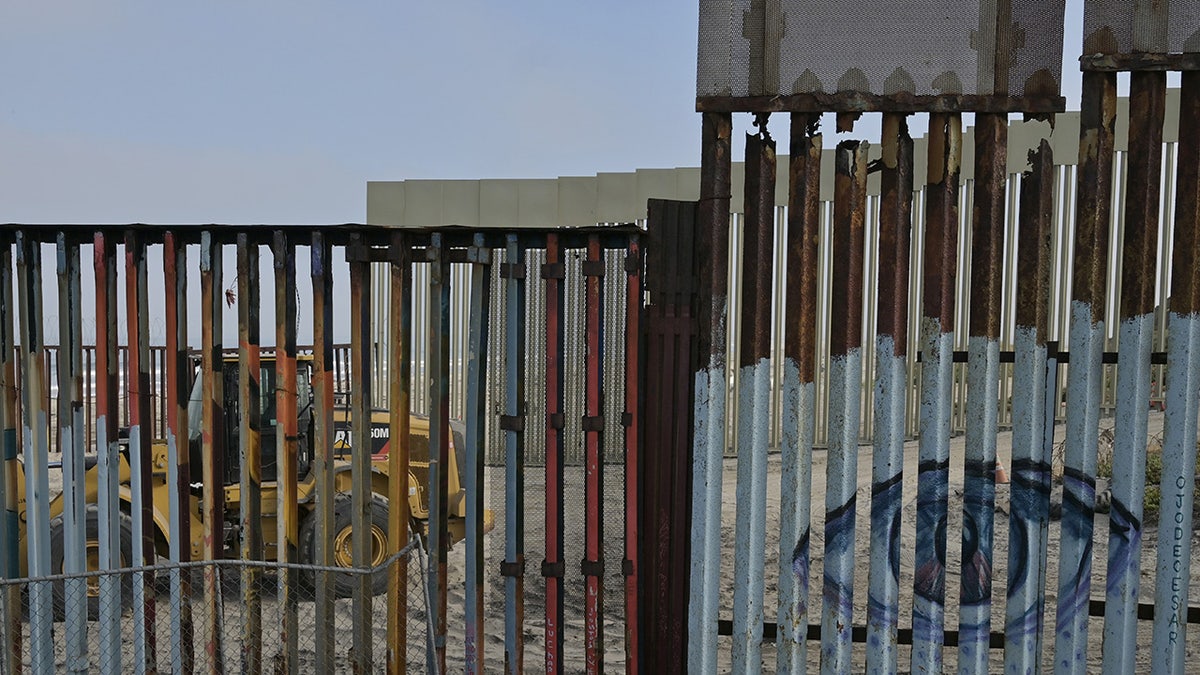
229,420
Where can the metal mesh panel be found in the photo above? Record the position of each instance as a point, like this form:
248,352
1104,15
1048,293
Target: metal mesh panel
1113,27
771,47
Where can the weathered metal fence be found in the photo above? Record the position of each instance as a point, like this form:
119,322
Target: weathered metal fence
152,569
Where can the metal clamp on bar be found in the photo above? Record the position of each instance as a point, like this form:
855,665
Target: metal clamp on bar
512,423
557,420
627,567
593,268
592,568
593,423
478,253
555,569
554,270
515,568
626,419
633,264
511,270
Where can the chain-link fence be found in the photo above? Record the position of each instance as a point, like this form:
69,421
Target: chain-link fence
222,616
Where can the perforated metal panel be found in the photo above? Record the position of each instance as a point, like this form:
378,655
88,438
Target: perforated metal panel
1127,26
884,48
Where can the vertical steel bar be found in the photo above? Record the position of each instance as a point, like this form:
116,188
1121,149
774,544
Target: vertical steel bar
1147,107
108,459
512,422
323,393
360,460
753,406
799,394
552,569
937,373
477,332
287,523
70,422
1029,499
1182,398
141,459
212,439
709,424
1085,373
36,448
983,376
10,568
593,472
399,397
178,373
891,385
845,383
250,440
439,403
631,421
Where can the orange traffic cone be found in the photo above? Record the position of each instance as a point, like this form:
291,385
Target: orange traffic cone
1001,474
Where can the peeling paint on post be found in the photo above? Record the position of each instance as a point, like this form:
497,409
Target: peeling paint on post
10,631
937,372
438,255
212,440
891,385
178,372
322,290
1183,382
983,377
512,278
593,474
1029,497
631,422
287,532
709,425
399,395
360,461
753,406
799,394
1147,105
250,498
108,458
845,383
70,421
477,340
1085,374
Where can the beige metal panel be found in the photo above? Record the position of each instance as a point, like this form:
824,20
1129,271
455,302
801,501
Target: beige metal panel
618,194
423,203
578,197
687,183
1024,137
385,202
655,184
460,203
499,205
537,204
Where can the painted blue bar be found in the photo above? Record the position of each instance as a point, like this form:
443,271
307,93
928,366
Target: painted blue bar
887,498
514,453
795,517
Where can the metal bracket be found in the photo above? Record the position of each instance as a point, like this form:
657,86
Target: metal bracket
555,270
592,568
595,423
512,270
626,419
627,567
512,423
557,420
556,570
513,568
593,268
633,264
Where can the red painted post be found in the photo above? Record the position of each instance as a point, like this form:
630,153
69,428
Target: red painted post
593,427
552,569
633,313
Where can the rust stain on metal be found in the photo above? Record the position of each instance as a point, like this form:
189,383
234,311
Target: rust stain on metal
715,196
941,217
758,236
1147,107
849,216
1035,243
400,281
804,234
988,222
895,229
1098,113
1185,270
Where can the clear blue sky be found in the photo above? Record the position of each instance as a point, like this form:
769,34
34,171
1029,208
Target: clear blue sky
281,112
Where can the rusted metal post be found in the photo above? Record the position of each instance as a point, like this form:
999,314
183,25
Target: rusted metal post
799,394
287,533
250,440
71,434
711,385
438,255
108,457
1183,382
593,462
1098,111
10,631
937,373
983,376
141,456
631,421
477,340
891,386
399,395
845,383
512,422
323,358
178,373
35,428
1147,106
554,271
212,448
360,460
754,391
1029,514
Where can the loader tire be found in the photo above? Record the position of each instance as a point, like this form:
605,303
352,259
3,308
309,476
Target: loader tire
343,556
92,554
